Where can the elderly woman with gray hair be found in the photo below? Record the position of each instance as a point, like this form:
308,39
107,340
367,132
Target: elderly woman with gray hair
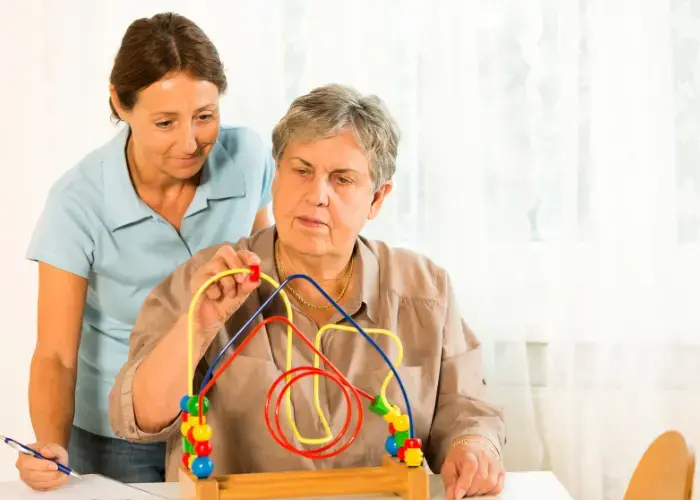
335,153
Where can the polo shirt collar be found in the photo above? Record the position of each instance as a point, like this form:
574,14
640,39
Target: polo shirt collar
221,178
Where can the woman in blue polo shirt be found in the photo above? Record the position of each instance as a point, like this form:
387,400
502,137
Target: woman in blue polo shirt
172,182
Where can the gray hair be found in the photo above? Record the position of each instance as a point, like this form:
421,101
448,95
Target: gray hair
327,111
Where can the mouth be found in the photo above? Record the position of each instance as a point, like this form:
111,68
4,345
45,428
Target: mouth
311,222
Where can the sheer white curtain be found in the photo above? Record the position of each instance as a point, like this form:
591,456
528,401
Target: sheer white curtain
550,161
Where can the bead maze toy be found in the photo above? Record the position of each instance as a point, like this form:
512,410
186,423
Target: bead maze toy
401,471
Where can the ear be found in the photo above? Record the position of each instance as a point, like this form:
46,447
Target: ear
379,195
114,99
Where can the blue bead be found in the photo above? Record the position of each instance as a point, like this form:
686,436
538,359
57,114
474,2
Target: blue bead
202,467
391,447
183,402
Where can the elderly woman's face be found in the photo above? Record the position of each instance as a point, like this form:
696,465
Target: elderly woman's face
323,194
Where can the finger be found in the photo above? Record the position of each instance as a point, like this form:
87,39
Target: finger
38,465
467,471
216,289
248,259
499,483
480,484
449,478
230,256
46,485
46,478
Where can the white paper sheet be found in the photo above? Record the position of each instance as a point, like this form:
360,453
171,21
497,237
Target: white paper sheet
90,487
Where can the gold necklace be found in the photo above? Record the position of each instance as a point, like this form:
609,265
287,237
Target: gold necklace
283,276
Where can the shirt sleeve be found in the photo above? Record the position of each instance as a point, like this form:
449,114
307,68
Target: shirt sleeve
462,408
268,174
63,236
161,309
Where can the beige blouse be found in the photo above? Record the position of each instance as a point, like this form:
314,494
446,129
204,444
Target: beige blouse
397,290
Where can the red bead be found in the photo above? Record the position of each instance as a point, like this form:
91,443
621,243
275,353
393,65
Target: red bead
401,453
203,448
412,443
391,429
190,435
184,416
186,460
254,272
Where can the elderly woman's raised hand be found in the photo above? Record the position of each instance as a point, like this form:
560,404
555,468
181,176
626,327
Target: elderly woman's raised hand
223,297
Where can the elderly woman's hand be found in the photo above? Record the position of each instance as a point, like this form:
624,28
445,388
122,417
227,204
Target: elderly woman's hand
472,469
223,297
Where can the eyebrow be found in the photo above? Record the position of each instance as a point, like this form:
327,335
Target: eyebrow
344,170
173,113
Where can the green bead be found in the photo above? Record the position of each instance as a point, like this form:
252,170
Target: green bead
187,447
400,437
193,406
377,406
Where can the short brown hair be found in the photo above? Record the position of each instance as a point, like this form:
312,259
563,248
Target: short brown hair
329,110
155,47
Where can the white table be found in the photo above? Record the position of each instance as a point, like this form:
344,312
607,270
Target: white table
518,486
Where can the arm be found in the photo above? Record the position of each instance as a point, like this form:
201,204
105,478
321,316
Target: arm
53,367
462,412
144,402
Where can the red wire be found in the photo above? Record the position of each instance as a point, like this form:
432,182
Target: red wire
337,377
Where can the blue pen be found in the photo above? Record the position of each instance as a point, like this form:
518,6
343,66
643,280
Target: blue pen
28,451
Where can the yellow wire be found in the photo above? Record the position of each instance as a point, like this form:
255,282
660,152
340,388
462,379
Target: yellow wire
321,331
385,384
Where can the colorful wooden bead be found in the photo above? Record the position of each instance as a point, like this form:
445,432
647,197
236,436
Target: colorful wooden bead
186,460
189,462
401,437
184,416
202,432
255,272
413,457
187,447
391,429
185,428
203,448
401,423
193,405
184,400
401,453
378,407
194,420
392,414
190,435
390,446
202,467
413,443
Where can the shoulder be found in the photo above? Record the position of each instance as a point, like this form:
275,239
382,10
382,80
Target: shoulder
408,274
239,139
81,187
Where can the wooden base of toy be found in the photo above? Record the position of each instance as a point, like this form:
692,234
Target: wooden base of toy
392,476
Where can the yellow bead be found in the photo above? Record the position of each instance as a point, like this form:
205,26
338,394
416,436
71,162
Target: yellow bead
413,457
185,428
401,423
194,421
189,464
202,432
393,413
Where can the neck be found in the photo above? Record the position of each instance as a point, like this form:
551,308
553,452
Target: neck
326,269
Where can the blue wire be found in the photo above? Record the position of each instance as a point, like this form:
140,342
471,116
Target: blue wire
341,311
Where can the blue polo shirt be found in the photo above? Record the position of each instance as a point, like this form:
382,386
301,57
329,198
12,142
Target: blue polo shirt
94,225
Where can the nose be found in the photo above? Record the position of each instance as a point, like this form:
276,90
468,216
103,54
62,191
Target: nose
188,140
318,193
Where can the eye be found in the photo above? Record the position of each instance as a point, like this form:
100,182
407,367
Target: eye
343,180
302,171
164,124
205,117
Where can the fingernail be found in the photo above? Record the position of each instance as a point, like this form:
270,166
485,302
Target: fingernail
459,494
